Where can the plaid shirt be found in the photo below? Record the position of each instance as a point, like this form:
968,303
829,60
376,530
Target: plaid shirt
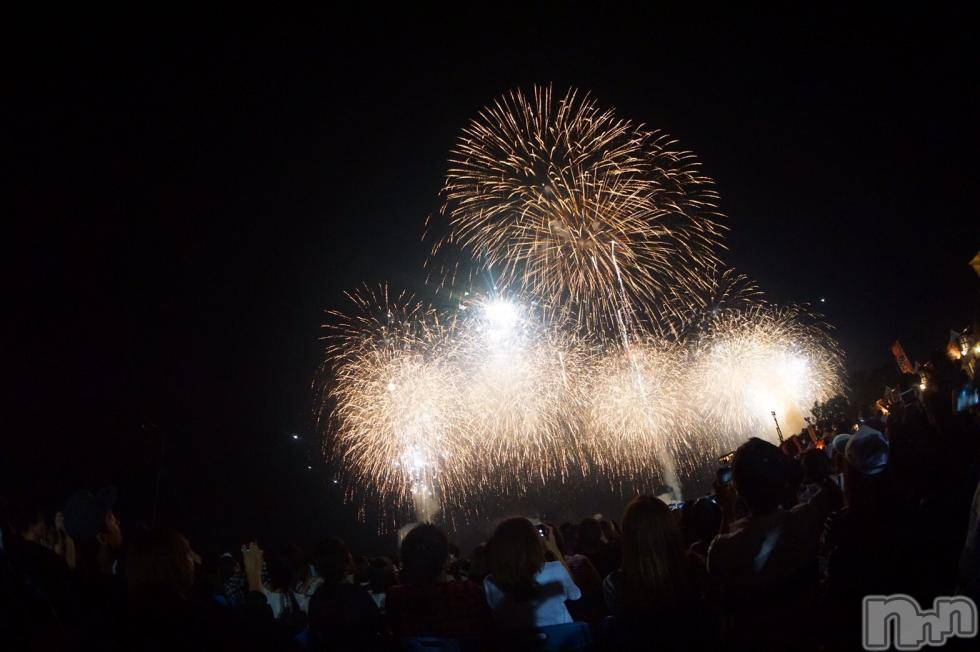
450,609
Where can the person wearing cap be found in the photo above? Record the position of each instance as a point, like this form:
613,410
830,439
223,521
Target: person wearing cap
871,544
866,460
101,593
92,524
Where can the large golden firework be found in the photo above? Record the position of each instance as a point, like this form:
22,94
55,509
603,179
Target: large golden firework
747,364
396,400
431,411
523,390
593,214
725,292
612,342
640,411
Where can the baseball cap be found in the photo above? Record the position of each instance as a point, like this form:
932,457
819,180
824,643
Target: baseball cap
867,451
85,513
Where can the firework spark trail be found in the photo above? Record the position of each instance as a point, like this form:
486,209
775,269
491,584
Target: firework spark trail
639,409
397,398
615,343
751,362
432,411
651,404
539,189
727,291
523,381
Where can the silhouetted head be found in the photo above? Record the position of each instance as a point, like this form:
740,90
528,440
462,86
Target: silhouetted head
332,560
589,535
514,556
424,554
653,569
760,475
816,465
702,519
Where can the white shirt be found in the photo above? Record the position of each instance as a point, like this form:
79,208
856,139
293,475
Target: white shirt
303,594
278,601
555,586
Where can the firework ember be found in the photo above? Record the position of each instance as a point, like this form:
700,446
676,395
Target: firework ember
397,399
751,363
589,212
611,343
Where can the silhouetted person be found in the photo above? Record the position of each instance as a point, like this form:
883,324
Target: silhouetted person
342,615
524,590
100,592
427,602
657,595
766,563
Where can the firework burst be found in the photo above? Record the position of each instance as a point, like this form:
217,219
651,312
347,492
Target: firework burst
396,399
753,362
589,212
614,347
523,382
639,410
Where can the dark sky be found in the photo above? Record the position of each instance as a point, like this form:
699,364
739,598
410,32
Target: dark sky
184,205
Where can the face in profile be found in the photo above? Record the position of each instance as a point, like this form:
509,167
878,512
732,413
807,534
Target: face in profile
112,536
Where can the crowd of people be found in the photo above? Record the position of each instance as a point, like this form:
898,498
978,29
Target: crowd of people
779,556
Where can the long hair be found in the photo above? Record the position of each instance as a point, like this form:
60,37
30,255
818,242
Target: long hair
654,568
514,556
159,563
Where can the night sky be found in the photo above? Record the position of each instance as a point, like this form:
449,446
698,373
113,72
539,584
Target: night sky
185,205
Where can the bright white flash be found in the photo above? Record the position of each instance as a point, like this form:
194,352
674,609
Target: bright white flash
502,317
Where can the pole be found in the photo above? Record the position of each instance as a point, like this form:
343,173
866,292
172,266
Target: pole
779,432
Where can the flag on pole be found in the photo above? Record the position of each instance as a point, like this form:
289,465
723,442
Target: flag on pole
903,360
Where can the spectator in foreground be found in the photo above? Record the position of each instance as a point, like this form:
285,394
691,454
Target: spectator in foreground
837,448
305,582
872,537
591,543
101,594
701,522
766,563
523,590
159,611
427,602
96,531
660,586
655,570
342,615
478,564
231,579
289,607
382,576
590,607
37,596
816,471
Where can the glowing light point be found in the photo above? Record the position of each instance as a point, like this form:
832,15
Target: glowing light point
502,318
